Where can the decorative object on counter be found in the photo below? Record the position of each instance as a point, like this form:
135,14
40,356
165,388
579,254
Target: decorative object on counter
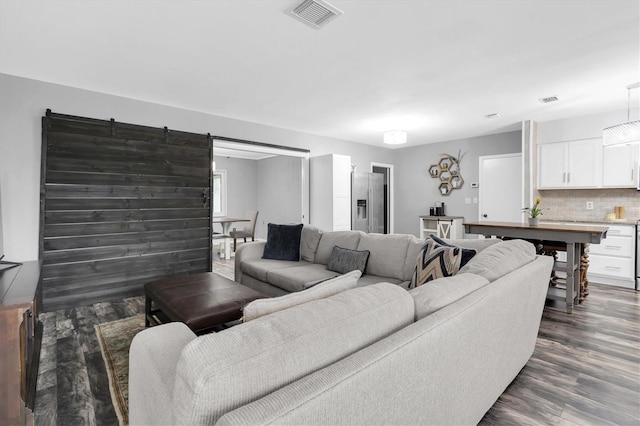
438,209
447,171
620,212
626,132
534,212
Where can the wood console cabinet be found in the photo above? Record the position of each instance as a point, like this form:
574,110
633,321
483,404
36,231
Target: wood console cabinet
449,227
20,339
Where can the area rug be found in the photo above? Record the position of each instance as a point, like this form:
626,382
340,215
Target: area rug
115,338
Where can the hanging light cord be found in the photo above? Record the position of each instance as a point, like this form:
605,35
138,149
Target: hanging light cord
628,104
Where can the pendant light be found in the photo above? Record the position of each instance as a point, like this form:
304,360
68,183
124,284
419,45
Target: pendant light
624,133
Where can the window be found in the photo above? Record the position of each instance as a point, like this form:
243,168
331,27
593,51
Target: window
219,201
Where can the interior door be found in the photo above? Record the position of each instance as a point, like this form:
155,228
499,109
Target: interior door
376,189
500,188
122,205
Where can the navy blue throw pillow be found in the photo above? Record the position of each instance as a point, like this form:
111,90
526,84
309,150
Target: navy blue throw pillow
467,254
283,242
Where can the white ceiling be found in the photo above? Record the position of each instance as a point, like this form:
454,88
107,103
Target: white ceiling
433,68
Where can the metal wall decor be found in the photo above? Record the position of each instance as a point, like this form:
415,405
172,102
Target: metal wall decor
447,171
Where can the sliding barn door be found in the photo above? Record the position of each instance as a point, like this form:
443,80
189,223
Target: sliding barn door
121,205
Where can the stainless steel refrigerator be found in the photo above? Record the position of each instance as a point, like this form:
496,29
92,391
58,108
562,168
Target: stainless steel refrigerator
367,202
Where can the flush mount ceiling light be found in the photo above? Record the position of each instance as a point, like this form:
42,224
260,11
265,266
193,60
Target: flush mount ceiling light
628,132
395,137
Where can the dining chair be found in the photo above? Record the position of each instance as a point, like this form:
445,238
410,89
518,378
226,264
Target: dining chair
247,231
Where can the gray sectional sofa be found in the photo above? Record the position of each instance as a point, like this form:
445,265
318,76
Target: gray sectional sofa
441,353
392,259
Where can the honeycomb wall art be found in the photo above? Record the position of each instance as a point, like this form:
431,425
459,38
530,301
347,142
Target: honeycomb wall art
447,171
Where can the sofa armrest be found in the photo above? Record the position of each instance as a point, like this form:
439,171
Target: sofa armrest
252,250
153,358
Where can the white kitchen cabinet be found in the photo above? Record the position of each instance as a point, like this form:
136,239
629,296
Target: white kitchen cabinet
330,200
449,227
613,260
574,164
620,166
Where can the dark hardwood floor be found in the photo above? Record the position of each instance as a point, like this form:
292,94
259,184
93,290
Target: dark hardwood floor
585,369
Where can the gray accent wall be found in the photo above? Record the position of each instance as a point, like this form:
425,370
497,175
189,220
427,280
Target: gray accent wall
272,186
416,191
279,187
241,185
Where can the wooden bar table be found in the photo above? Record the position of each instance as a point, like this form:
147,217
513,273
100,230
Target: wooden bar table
574,236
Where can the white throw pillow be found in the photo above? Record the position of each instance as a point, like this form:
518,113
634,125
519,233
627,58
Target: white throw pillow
261,307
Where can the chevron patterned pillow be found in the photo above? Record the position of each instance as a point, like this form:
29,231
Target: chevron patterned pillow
436,261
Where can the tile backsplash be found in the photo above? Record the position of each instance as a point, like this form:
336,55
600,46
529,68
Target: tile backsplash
572,204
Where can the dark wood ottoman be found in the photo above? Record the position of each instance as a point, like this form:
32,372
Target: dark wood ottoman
201,301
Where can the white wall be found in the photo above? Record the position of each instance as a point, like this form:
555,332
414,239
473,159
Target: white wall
583,127
416,191
23,102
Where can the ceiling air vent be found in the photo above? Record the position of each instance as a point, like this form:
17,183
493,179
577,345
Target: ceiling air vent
494,115
548,99
315,13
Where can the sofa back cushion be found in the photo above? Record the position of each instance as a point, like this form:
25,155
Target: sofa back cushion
387,254
219,372
415,247
442,292
501,258
344,239
262,307
477,244
309,242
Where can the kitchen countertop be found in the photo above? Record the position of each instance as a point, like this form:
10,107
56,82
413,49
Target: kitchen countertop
440,217
630,222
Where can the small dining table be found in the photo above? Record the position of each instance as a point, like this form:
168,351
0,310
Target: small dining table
574,236
226,222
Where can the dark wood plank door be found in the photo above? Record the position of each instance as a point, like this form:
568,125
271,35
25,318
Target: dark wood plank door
121,205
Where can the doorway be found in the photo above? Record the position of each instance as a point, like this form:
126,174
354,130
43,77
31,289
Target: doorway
500,188
387,171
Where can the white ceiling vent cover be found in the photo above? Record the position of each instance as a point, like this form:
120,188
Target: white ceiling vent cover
315,13
548,99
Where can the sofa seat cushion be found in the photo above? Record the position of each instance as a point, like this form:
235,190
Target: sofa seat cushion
300,277
500,259
258,268
387,254
261,307
220,372
344,239
442,292
368,279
